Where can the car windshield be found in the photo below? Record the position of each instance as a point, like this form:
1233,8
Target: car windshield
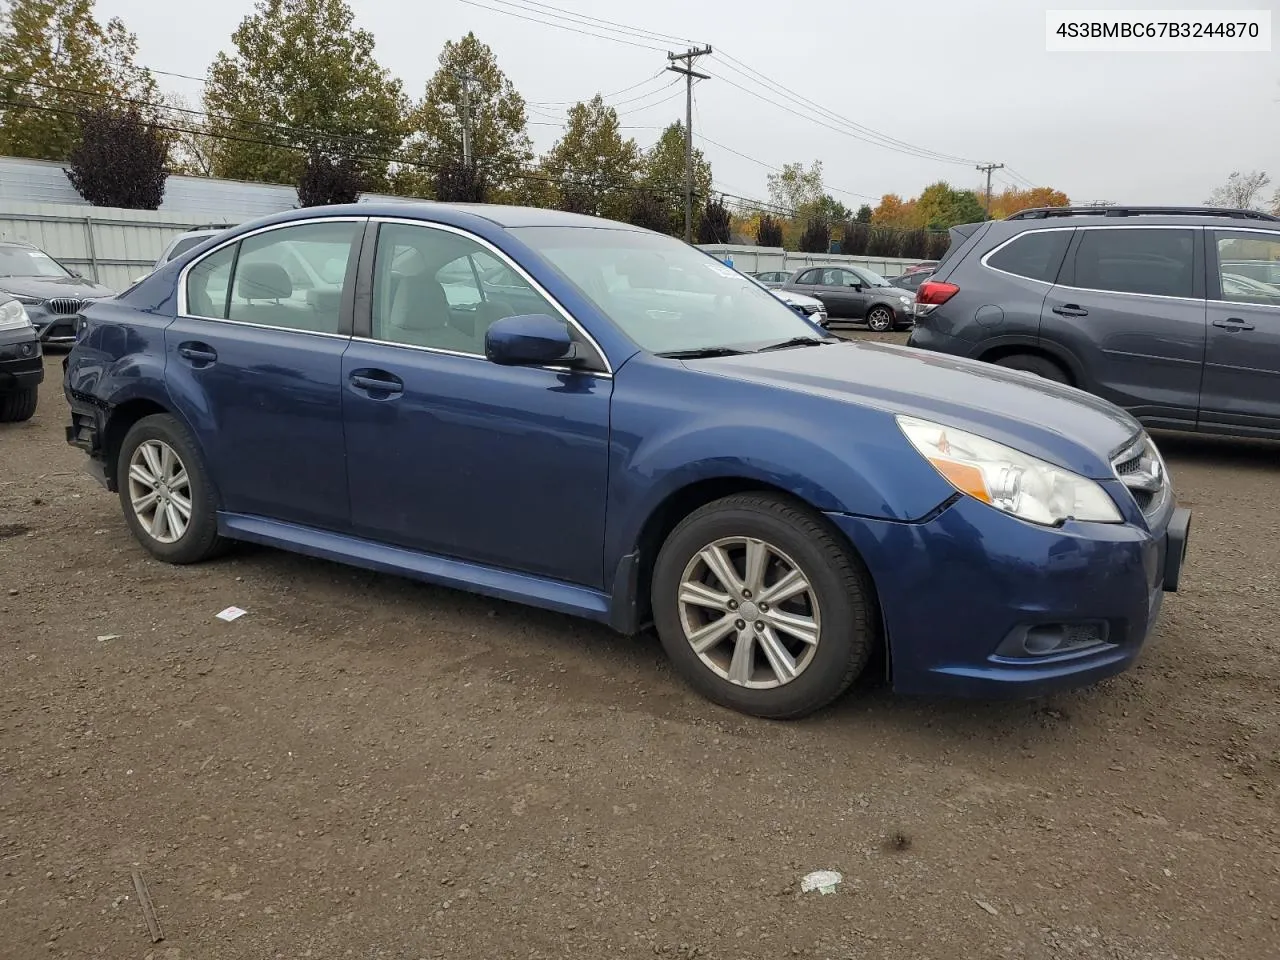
27,262
871,278
666,295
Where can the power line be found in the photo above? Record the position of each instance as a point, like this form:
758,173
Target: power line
770,166
611,25
605,96
552,23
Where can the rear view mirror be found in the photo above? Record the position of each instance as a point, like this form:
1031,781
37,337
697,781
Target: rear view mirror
529,339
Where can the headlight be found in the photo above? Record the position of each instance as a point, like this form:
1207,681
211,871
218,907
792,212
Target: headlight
13,316
1007,479
906,301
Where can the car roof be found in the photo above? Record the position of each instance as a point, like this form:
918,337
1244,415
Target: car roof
1139,216
453,214
20,244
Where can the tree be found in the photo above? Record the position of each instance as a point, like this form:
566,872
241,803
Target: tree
191,149
816,237
119,160
856,238
891,211
596,167
326,179
940,206
662,171
302,78
883,242
939,244
795,188
456,182
1010,200
914,244
56,62
1242,191
651,210
864,213
713,225
769,232
500,142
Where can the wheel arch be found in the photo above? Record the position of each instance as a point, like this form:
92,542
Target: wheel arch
1063,358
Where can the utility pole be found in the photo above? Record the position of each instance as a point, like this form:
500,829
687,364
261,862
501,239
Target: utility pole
988,167
689,73
464,78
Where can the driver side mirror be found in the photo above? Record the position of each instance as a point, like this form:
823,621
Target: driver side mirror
856,284
529,339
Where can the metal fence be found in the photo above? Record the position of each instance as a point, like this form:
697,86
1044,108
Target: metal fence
749,259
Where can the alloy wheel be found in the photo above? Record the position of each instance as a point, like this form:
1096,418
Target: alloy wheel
160,491
880,320
749,612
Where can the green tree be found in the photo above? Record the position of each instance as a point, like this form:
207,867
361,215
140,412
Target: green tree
596,167
662,171
769,232
119,161
715,223
500,142
864,213
797,189
57,61
816,237
940,206
302,78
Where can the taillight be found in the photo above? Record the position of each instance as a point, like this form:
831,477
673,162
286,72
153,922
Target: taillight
934,293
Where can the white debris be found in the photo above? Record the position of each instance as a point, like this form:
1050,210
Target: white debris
824,881
232,613
108,636
987,907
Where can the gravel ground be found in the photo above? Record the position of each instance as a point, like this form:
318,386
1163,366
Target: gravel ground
367,767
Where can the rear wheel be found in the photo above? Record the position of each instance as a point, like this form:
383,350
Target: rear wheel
1033,363
168,499
880,319
19,405
761,608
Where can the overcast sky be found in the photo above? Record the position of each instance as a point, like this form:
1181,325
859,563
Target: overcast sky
966,78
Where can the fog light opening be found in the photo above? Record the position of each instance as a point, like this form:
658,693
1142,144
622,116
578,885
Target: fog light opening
1044,640
1032,641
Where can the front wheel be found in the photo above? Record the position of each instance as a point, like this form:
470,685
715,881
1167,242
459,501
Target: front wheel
761,608
880,319
1033,363
20,405
168,499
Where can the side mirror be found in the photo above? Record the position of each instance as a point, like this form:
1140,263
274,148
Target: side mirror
529,339
856,284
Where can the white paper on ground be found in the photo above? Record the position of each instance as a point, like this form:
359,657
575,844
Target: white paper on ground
231,613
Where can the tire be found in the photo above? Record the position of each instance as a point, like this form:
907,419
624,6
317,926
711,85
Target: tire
198,539
880,319
838,606
19,405
1033,363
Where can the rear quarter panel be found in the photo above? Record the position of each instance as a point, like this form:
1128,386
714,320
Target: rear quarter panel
120,355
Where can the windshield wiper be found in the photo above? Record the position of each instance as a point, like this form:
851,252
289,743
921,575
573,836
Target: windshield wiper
796,342
699,352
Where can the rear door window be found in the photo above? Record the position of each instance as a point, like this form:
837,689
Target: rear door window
1036,255
1148,261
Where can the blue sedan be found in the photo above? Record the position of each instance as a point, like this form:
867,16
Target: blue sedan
600,420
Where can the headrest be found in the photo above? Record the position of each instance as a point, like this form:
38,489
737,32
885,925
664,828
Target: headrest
263,281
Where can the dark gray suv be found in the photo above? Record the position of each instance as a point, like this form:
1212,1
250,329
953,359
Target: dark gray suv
1167,312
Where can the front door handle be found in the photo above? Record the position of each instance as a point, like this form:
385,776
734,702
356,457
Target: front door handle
377,383
1070,310
1233,324
200,354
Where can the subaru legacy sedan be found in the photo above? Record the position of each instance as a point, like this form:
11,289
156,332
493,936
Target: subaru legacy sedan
626,430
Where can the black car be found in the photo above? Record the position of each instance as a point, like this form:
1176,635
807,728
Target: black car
51,294
1161,310
21,363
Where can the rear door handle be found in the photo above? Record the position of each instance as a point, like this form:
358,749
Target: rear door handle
1233,323
377,382
1070,310
198,353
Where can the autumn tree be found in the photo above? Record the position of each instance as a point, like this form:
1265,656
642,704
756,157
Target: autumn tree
714,223
1010,200
327,179
302,78
662,171
892,211
56,62
1242,191
119,160
596,168
769,232
500,142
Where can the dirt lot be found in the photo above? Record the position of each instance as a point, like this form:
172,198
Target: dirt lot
366,767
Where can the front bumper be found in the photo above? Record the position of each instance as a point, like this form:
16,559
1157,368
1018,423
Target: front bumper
961,593
21,361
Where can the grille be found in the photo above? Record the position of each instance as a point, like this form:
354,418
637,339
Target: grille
64,305
1141,469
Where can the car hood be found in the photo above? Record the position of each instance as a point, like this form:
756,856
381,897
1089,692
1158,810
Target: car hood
799,299
891,292
50,287
1060,424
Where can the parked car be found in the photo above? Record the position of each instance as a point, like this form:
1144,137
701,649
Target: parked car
773,278
911,281
183,242
1144,306
663,442
809,307
50,293
857,293
21,363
